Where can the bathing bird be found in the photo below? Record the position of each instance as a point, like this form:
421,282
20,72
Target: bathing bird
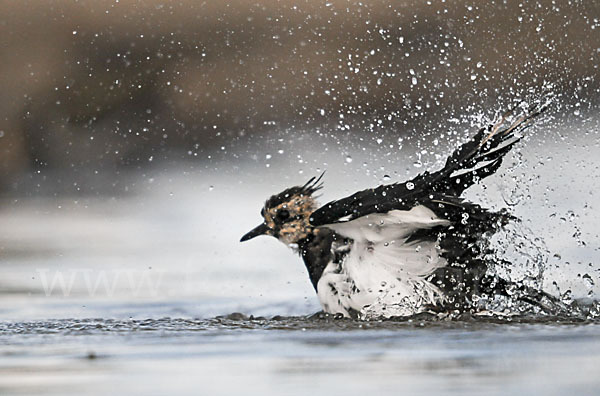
404,248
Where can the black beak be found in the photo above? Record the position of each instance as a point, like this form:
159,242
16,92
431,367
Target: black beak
260,230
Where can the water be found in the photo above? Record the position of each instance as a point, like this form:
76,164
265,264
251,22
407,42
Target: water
120,291
155,274
297,356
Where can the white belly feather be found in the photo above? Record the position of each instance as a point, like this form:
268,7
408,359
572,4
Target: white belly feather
383,275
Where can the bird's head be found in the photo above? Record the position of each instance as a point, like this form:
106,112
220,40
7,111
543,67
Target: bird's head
287,214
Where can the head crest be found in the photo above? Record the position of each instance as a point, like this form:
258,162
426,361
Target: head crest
311,186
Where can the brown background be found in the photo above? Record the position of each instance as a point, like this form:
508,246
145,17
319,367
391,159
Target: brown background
106,84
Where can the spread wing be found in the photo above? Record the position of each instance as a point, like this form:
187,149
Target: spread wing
473,161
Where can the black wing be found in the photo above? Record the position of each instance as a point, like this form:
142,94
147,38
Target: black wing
477,159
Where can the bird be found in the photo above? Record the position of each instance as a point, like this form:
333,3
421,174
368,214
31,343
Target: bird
401,249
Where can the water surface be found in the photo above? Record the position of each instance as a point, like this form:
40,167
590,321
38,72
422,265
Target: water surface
298,355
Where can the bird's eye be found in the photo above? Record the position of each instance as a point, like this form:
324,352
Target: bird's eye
283,214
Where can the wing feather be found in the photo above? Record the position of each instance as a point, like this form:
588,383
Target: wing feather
475,160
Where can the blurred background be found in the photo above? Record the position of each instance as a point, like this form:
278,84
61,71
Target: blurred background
138,139
98,86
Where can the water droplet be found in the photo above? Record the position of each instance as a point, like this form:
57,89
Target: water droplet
589,282
410,186
465,218
210,188
567,297
386,178
348,159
